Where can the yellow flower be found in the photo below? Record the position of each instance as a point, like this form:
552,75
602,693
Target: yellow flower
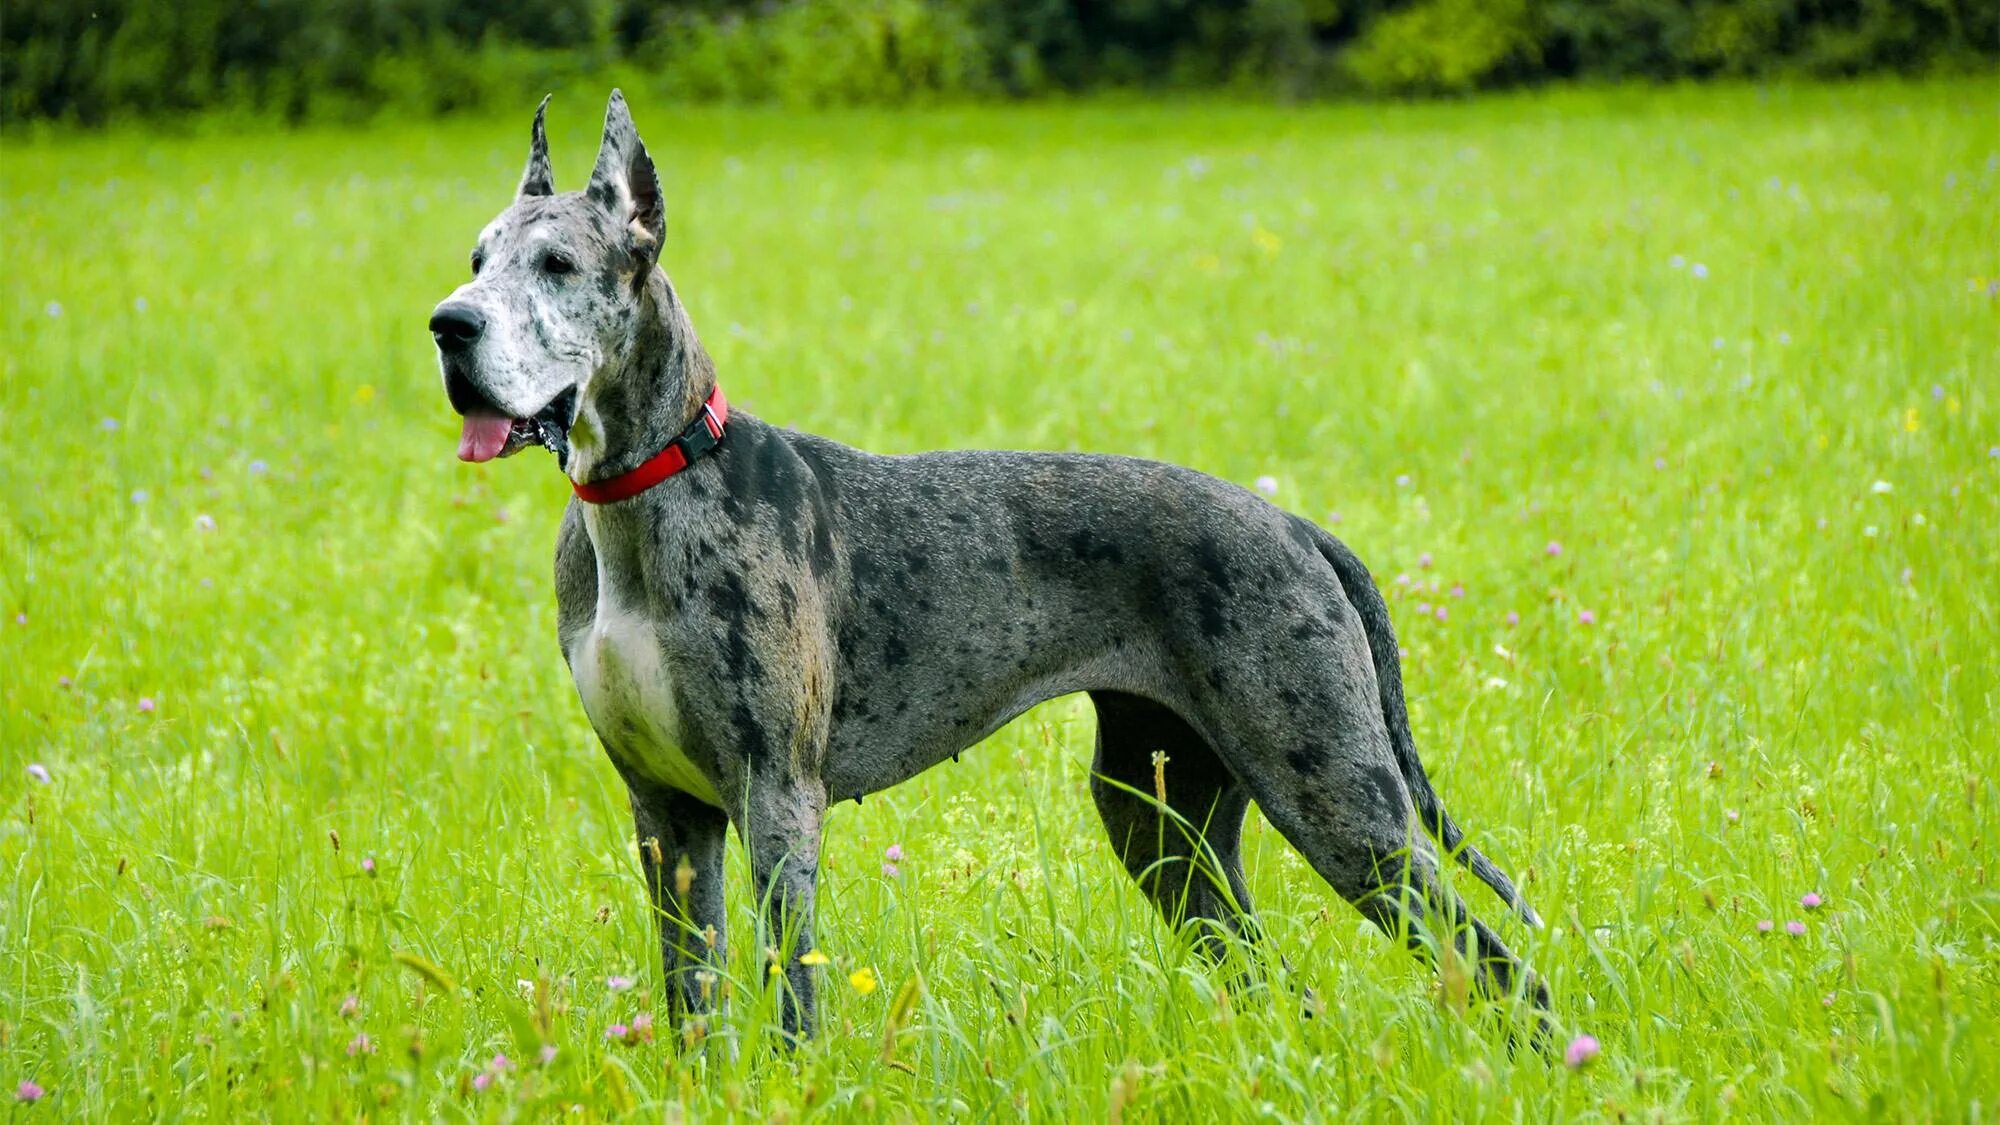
1819,441
1266,241
863,980
1951,405
814,957
1910,420
364,394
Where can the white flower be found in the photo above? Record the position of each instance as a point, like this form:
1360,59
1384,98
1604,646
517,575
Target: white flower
1869,531
1268,485
1882,488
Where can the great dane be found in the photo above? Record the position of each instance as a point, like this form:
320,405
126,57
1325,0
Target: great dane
761,622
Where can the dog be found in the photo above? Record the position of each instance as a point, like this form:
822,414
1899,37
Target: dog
761,622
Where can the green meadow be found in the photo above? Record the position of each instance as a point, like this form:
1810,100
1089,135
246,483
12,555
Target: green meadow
1669,419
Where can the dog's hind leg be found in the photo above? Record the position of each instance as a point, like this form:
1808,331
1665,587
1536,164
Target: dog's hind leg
681,843
1188,858
1351,819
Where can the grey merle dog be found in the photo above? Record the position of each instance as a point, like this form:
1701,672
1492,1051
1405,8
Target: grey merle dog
762,622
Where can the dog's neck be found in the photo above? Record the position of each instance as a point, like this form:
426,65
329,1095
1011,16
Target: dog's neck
641,399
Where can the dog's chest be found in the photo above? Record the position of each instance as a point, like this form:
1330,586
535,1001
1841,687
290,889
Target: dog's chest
628,692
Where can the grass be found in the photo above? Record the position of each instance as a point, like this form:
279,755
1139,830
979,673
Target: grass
290,669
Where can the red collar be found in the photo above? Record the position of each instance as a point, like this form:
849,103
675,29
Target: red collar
701,436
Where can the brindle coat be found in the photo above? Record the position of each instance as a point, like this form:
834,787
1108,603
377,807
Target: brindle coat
792,622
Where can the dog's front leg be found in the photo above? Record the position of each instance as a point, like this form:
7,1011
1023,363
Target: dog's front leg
680,855
780,825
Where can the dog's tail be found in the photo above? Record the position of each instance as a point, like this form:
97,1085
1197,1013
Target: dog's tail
1361,591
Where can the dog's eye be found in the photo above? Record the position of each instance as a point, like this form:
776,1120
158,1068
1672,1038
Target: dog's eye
478,260
555,263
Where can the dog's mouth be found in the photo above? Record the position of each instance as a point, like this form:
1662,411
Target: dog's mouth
489,433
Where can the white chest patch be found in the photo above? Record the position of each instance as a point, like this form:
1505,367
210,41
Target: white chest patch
629,695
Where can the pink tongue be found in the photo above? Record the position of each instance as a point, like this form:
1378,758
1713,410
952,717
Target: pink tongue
484,436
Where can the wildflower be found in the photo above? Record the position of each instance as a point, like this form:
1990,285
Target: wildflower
108,424
617,1031
1764,925
139,304
1677,262
893,853
1402,580
482,1080
1333,517
1581,1050
1907,573
20,619
53,308
1911,422
140,496
1796,929
1424,560
62,682
1402,480
642,1025
1554,548
1585,617
617,984
863,980
1784,337
1937,392
368,864
1442,613
350,1007
1811,901
1731,815
28,1091
1881,488
1513,618
205,522
39,772
258,467
1699,271
548,1053
1457,591
1268,485
1659,462
360,1045
814,957
1869,532
1827,1001
1423,609
145,703
891,870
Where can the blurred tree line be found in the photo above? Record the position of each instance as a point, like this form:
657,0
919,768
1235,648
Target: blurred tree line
93,60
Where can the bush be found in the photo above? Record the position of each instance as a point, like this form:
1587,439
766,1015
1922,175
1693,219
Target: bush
821,53
1442,46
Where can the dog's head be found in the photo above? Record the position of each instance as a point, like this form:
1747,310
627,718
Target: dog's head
557,285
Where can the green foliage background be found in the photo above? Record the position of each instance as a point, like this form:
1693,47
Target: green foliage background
347,59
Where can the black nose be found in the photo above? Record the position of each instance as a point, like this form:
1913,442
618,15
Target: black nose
456,326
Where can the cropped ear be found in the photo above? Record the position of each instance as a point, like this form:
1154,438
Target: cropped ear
538,179
624,182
